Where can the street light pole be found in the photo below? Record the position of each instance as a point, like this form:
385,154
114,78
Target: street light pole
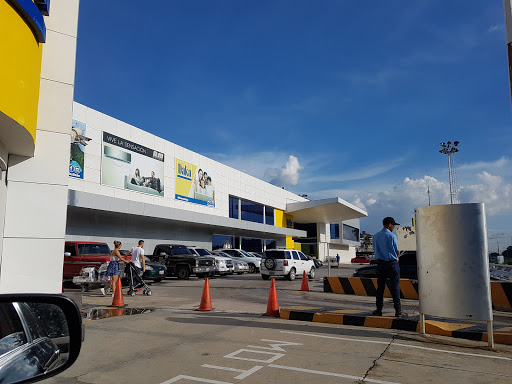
449,149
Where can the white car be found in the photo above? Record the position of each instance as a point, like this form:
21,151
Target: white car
223,264
286,262
254,262
239,266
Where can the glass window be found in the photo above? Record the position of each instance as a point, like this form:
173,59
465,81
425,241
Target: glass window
252,245
233,207
12,334
223,241
180,250
295,255
277,254
289,223
302,256
270,244
203,252
93,249
335,231
251,211
350,233
269,216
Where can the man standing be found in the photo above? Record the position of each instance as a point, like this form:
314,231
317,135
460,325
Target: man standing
138,257
386,253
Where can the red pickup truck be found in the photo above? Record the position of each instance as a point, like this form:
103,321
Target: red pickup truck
79,254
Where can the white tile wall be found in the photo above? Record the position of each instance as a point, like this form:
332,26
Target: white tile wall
55,106
64,17
227,180
49,164
59,53
44,206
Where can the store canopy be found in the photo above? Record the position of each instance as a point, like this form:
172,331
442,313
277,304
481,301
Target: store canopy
333,210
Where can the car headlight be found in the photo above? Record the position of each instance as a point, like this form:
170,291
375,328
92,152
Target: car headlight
149,268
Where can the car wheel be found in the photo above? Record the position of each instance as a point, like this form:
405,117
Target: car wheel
312,273
291,275
182,273
265,277
157,280
252,268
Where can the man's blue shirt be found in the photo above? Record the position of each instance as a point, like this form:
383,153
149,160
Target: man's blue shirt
384,245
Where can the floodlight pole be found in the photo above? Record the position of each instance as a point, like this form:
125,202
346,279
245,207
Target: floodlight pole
449,149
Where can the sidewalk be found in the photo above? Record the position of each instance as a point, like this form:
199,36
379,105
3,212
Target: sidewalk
435,326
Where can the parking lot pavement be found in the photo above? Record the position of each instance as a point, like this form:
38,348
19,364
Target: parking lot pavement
169,342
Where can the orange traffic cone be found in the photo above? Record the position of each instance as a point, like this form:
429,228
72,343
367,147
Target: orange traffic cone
272,306
305,285
206,301
118,296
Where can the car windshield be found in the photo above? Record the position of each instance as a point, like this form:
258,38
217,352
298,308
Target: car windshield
275,254
180,250
203,252
245,253
93,249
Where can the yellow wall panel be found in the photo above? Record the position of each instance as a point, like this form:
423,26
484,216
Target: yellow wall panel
20,69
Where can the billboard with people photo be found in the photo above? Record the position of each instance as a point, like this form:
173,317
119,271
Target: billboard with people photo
194,184
131,166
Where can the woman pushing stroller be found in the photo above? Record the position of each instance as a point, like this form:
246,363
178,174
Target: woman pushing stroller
113,268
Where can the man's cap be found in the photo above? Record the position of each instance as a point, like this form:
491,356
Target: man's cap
389,220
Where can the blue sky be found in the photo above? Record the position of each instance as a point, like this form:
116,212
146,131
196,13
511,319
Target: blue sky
330,98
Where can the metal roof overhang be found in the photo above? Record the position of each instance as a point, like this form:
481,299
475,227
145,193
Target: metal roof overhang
332,210
79,201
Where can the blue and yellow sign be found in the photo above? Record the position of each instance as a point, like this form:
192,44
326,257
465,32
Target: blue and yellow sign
194,185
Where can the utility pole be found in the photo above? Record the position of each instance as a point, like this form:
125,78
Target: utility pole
450,150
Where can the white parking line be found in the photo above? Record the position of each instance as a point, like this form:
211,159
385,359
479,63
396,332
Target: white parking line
192,378
243,372
330,374
397,344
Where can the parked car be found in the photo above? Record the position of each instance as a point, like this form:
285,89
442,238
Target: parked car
239,266
255,254
40,336
79,254
286,262
154,271
318,263
239,254
408,267
180,262
360,260
224,264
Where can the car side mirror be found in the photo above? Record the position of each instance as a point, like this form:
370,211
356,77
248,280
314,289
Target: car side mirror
67,254
41,336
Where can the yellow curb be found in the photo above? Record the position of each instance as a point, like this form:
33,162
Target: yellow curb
434,327
330,318
378,322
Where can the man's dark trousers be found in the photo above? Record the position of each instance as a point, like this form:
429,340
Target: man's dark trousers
388,270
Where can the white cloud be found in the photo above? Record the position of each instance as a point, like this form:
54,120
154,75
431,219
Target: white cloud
502,163
496,28
287,175
401,199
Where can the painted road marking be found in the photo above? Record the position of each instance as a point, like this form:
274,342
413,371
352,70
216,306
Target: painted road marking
276,356
244,372
192,378
330,374
397,344
276,346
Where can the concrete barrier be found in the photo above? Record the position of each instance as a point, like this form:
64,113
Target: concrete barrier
501,292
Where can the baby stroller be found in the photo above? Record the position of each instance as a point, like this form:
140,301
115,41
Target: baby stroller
135,281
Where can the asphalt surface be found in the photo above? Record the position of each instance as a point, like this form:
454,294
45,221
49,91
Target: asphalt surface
167,341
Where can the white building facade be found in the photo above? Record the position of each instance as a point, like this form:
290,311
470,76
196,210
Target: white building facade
133,185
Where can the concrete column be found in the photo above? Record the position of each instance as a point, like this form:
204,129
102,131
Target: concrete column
37,187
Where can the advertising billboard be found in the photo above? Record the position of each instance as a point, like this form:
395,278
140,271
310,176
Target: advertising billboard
76,157
131,166
194,184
